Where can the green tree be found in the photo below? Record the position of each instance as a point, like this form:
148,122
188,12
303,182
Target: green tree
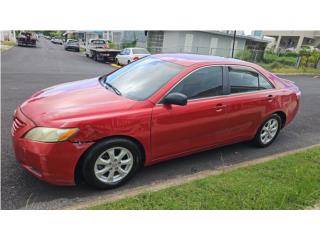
305,55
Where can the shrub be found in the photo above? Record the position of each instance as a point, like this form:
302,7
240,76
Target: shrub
289,54
309,58
285,60
245,55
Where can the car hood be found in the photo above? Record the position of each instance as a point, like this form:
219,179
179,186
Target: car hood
74,101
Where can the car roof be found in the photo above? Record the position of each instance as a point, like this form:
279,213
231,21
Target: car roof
190,59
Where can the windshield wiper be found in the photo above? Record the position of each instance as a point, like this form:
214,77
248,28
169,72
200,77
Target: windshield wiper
113,88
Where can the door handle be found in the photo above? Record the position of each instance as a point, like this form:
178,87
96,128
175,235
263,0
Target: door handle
219,107
270,98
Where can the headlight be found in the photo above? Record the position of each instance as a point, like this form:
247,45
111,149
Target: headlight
44,134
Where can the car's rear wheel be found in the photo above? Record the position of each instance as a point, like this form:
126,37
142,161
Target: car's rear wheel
110,163
268,131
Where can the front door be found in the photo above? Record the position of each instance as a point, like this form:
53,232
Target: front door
199,124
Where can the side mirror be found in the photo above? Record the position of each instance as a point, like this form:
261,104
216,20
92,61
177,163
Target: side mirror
176,99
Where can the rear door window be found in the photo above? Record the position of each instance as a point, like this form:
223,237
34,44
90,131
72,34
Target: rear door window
243,79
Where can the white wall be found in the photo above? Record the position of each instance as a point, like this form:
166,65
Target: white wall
8,36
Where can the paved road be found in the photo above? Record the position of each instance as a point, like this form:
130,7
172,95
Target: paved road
25,70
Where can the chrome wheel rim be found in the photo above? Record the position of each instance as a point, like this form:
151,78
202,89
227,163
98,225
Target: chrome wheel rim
113,165
269,131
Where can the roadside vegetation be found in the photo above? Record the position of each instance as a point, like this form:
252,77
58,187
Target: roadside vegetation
290,70
5,45
289,182
304,61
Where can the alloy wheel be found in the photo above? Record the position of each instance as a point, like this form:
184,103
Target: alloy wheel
269,131
113,165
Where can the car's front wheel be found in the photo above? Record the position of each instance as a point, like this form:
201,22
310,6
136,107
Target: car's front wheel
110,163
268,131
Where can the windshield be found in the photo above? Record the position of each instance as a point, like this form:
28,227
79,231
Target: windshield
140,51
141,79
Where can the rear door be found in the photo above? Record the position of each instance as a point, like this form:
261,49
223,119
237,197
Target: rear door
199,124
251,97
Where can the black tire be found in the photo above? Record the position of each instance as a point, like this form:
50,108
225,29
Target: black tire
91,156
257,139
95,57
128,61
91,54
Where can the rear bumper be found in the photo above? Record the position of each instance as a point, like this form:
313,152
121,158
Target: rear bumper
72,47
54,163
25,43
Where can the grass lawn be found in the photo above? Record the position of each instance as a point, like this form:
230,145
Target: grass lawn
297,70
290,182
5,45
291,70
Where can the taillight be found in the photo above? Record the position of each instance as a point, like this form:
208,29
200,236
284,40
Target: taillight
135,58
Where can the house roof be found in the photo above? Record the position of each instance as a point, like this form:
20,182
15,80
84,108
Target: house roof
237,36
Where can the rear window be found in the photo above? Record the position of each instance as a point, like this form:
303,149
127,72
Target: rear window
98,42
140,51
72,41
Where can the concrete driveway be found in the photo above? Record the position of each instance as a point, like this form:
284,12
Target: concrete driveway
26,70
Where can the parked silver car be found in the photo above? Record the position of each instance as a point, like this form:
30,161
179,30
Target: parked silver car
72,44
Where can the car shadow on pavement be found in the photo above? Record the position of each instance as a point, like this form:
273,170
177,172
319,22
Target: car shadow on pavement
208,160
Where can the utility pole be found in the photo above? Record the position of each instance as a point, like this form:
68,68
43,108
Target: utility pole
234,40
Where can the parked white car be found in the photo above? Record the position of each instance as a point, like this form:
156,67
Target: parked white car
129,55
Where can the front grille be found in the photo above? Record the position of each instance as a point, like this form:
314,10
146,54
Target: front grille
17,124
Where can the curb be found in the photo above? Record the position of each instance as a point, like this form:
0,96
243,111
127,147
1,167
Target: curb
178,181
115,65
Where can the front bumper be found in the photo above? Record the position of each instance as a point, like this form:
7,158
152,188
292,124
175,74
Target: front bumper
54,163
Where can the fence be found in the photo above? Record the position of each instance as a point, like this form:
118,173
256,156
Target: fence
275,60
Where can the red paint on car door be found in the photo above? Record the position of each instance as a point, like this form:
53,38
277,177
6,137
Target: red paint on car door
246,113
179,129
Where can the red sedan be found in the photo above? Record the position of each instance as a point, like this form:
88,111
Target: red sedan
158,108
